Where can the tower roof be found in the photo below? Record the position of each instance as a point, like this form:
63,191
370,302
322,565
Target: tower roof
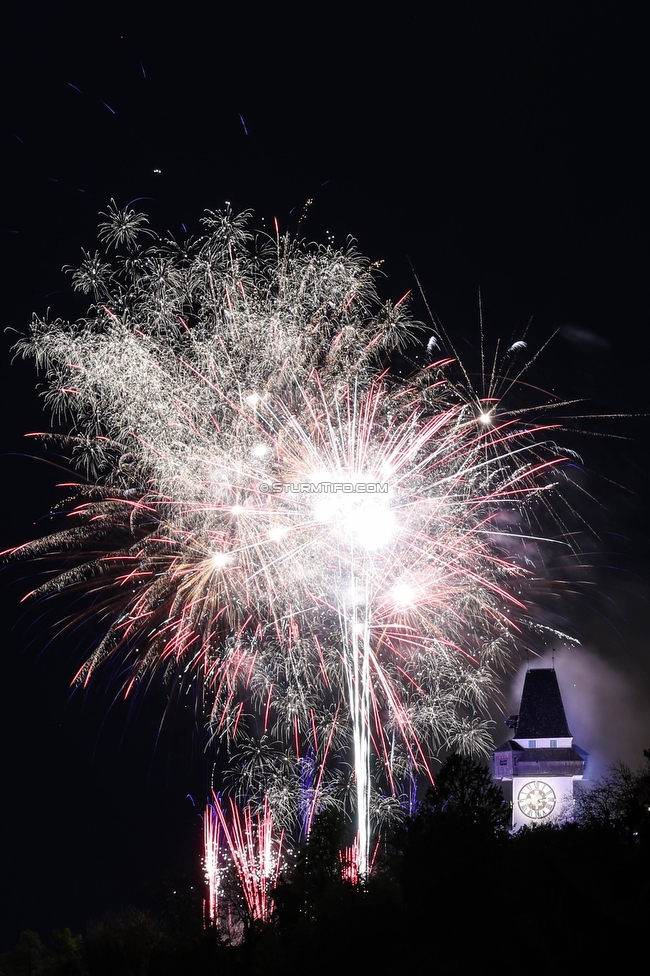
541,714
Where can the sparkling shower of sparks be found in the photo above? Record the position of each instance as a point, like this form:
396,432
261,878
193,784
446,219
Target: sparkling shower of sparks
247,840
271,516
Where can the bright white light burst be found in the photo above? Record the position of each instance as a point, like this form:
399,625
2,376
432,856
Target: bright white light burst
336,640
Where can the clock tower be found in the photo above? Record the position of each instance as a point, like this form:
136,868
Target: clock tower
541,760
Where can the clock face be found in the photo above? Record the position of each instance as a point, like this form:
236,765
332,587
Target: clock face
536,800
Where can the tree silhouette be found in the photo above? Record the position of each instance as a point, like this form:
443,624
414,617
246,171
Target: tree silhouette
465,796
619,801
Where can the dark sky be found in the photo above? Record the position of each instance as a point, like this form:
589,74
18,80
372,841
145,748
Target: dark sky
496,146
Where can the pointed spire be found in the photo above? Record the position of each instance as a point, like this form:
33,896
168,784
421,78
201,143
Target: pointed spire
541,714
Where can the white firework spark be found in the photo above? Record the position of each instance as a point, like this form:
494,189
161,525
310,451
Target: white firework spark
359,617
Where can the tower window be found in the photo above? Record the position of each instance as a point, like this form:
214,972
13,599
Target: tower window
532,743
553,743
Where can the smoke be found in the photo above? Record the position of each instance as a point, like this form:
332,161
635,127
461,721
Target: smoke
585,339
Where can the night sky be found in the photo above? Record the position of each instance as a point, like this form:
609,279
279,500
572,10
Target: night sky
499,147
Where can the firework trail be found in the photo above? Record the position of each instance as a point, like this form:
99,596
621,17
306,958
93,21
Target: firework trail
213,863
268,515
247,840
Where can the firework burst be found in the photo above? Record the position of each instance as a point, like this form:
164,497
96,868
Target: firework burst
270,515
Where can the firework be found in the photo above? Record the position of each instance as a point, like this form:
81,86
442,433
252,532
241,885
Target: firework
213,864
246,841
271,516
